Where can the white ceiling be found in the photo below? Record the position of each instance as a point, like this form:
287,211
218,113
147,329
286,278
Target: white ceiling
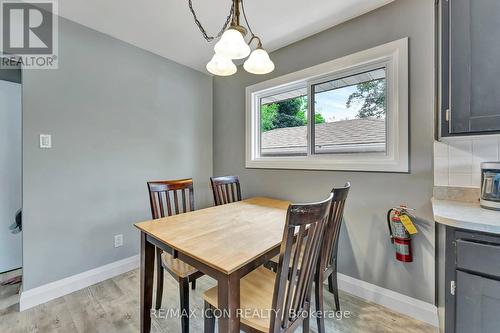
166,27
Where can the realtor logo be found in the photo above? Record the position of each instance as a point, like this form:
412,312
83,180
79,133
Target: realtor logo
29,34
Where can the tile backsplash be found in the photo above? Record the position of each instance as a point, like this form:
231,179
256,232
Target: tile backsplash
457,161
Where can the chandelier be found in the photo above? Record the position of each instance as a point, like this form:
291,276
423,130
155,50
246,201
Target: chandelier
232,45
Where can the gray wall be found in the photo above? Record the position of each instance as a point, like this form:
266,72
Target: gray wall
118,116
365,251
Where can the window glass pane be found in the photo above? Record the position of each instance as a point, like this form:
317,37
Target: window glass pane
283,124
350,114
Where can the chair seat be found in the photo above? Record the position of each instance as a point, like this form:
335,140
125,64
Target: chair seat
256,298
276,259
177,267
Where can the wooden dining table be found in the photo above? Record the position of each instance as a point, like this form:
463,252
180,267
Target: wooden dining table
224,242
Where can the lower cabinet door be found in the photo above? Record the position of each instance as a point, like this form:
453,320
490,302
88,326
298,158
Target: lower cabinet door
478,304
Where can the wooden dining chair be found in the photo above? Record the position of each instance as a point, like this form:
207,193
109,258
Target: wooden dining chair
225,189
327,267
280,302
167,198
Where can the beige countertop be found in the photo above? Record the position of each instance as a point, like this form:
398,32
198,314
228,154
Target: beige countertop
466,215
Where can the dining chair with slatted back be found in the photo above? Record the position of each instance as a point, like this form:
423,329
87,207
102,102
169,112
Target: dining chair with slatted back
327,267
280,302
225,189
167,198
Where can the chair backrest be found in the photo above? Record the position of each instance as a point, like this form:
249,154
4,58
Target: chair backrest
305,225
164,197
225,189
332,231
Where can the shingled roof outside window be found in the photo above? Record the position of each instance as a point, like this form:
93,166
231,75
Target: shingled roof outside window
346,136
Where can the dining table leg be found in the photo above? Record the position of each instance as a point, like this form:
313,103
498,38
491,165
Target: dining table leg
229,303
147,270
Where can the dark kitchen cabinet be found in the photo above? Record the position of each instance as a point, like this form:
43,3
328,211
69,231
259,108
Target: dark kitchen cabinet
470,67
472,282
478,304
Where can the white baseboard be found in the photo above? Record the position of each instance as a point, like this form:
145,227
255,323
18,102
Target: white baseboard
397,302
53,290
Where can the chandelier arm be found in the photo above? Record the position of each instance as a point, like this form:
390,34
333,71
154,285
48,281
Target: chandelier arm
200,26
259,42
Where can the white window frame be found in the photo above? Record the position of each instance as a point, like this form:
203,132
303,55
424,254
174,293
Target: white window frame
394,57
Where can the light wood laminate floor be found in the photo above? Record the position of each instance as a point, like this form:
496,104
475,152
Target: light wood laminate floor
9,292
113,306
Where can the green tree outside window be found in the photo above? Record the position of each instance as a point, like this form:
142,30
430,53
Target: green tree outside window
288,113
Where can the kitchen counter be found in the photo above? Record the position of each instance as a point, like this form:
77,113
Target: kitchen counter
466,215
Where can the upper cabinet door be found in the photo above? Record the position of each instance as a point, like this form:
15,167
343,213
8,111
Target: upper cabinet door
471,66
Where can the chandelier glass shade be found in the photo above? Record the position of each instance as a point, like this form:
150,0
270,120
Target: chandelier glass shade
231,45
221,66
259,63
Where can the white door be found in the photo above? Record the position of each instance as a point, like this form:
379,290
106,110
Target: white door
10,174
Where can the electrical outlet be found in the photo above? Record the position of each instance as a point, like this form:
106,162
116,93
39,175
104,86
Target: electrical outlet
118,240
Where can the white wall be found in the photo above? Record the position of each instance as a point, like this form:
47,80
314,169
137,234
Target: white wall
10,174
457,161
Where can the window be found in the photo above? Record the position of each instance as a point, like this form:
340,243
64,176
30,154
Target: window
350,114
283,120
347,114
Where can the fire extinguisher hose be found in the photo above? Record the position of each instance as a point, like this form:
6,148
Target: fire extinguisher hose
389,224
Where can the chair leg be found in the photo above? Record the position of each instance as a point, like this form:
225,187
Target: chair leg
184,298
318,290
209,321
330,283
193,284
159,279
332,280
305,323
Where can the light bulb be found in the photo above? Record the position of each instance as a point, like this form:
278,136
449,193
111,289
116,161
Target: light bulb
222,66
232,45
259,62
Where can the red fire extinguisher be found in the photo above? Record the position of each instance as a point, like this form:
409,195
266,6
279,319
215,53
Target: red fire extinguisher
400,237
